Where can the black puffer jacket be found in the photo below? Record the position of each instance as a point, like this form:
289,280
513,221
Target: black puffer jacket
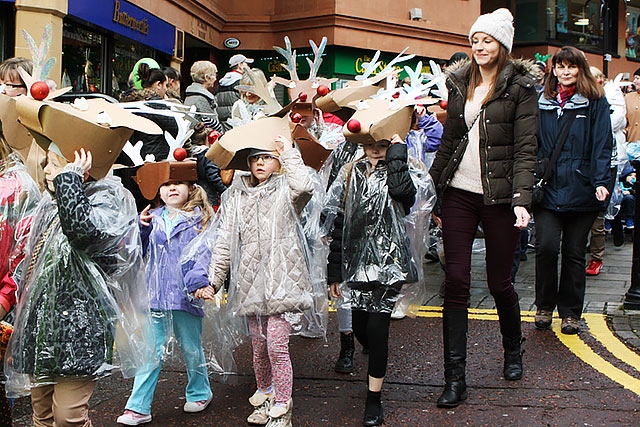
508,129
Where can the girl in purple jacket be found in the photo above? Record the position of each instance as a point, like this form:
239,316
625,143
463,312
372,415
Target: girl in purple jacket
166,232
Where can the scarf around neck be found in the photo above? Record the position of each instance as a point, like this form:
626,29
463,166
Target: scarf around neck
565,94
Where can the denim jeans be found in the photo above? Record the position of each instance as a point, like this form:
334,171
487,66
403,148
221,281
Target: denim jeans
187,329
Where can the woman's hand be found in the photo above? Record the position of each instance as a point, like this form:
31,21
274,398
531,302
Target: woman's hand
602,193
206,292
282,144
145,216
334,289
436,219
522,217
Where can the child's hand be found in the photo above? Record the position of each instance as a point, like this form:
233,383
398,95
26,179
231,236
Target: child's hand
206,292
395,139
145,217
83,159
282,144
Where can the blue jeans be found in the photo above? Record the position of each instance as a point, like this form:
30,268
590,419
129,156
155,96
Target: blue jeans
188,331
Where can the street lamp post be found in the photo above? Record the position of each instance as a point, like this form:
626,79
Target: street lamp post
632,297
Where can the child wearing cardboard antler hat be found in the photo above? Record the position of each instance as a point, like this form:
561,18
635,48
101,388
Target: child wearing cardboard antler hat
261,245
166,231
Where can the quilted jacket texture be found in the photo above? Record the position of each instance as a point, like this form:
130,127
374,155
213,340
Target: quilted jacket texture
261,242
508,128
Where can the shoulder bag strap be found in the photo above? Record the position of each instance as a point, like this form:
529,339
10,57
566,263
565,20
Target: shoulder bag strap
560,143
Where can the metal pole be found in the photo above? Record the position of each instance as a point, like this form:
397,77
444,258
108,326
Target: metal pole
632,297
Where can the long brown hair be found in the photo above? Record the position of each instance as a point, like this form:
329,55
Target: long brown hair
475,78
5,151
586,84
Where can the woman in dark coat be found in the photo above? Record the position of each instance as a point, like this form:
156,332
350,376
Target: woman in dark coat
484,173
577,189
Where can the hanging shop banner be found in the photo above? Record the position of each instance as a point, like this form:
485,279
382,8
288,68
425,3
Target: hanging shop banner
128,20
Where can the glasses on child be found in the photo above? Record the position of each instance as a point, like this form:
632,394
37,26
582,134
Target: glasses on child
266,158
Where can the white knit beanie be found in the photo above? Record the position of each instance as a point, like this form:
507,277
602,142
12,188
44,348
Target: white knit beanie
498,24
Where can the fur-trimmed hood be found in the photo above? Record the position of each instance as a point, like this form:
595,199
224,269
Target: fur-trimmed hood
523,67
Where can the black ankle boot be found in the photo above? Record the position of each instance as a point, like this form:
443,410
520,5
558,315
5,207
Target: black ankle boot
511,341
373,413
344,365
454,331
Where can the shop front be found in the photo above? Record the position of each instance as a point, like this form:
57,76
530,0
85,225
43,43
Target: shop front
103,40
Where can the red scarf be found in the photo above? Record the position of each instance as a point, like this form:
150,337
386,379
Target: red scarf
565,94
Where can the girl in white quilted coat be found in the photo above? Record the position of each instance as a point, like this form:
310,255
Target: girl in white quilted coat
261,244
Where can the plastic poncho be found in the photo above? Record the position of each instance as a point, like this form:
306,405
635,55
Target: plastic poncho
19,196
377,237
83,290
262,244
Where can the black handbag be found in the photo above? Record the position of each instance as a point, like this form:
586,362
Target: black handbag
544,166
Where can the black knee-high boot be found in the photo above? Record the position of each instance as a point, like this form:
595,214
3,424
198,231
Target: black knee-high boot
454,328
510,327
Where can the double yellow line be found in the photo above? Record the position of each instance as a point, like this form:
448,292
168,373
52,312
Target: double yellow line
597,327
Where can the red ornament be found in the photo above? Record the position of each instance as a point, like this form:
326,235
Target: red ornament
302,96
396,95
179,154
354,126
213,136
322,90
39,90
443,104
296,117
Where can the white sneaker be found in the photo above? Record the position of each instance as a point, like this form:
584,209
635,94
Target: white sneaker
259,397
260,414
132,418
280,416
198,406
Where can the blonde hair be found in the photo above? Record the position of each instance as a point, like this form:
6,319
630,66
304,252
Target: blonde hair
202,70
198,198
597,74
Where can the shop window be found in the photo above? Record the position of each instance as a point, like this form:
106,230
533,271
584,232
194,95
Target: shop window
82,59
579,23
126,53
632,31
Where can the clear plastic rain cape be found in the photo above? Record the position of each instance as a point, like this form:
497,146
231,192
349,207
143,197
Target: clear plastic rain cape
262,245
379,243
19,197
83,292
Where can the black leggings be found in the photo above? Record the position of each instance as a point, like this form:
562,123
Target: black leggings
372,331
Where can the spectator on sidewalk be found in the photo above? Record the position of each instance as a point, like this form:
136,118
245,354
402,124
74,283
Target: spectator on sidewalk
226,93
628,205
173,83
199,93
484,173
577,189
618,111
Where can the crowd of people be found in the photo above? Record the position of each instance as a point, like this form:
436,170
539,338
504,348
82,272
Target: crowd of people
271,239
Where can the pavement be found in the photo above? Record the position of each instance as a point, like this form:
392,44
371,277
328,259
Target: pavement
590,379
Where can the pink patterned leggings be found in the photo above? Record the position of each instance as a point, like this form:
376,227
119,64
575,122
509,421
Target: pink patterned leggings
271,361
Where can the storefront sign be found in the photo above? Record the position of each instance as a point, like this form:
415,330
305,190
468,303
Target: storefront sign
123,18
231,43
128,20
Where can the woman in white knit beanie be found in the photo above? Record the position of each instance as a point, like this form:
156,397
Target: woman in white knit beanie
484,173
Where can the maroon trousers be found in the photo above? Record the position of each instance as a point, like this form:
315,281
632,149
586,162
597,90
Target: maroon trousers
462,211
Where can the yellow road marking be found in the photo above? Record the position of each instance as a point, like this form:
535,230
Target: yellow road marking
587,355
597,327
